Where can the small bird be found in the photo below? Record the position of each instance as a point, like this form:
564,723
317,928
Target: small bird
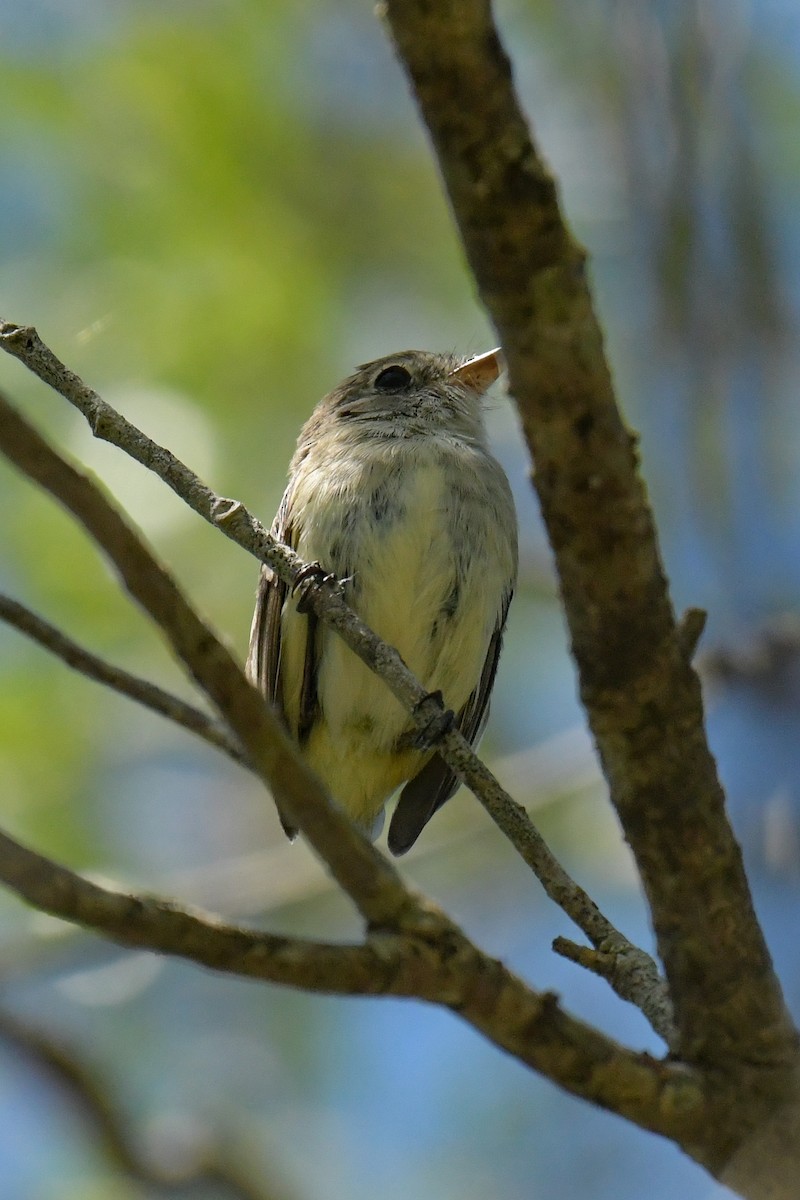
392,489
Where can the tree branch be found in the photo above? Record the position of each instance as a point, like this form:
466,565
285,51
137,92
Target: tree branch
640,978
326,599
434,961
642,697
144,693
151,924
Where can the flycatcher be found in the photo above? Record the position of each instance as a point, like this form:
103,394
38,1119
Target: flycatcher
392,488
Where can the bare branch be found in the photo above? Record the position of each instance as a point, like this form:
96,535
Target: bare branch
628,964
147,694
642,697
434,961
326,599
158,925
643,985
690,630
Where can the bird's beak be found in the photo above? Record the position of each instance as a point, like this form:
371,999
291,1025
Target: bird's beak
480,373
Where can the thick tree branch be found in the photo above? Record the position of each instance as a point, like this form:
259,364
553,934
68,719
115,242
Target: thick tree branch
140,690
434,961
150,924
642,697
326,598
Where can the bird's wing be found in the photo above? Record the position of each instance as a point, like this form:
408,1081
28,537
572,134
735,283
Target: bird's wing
264,656
435,783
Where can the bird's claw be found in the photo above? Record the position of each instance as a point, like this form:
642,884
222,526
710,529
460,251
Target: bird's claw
309,576
438,720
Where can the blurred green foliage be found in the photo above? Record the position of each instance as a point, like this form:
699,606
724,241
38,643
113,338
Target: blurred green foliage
205,242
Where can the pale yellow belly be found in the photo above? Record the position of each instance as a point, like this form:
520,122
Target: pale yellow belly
403,582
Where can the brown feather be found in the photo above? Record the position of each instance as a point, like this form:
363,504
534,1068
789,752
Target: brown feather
264,657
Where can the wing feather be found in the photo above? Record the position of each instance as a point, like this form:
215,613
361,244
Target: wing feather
436,783
264,656
263,659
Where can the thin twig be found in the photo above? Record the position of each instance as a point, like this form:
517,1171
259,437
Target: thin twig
326,599
640,978
140,690
690,630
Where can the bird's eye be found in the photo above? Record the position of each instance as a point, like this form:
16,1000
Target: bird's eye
393,379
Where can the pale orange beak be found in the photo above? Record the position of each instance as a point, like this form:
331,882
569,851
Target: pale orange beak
480,372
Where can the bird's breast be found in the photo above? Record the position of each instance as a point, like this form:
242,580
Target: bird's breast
413,530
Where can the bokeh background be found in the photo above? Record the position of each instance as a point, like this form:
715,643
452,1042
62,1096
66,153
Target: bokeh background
212,210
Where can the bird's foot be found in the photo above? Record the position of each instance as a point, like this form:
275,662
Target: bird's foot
438,721
309,577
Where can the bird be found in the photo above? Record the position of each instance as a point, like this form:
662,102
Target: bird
392,489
